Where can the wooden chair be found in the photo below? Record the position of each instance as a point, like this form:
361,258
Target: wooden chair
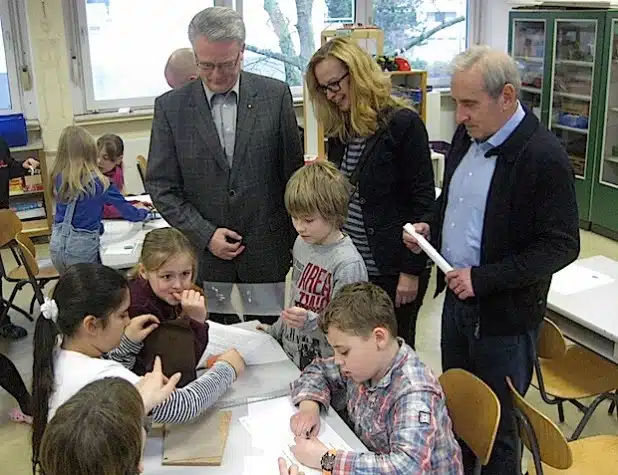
552,454
28,270
141,168
474,410
10,226
567,373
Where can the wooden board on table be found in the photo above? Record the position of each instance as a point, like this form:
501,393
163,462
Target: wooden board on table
199,442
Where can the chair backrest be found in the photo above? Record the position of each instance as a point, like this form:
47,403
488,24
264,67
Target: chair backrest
28,253
551,344
10,225
552,446
474,409
141,168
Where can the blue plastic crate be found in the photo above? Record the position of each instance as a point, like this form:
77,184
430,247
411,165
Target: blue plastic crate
13,129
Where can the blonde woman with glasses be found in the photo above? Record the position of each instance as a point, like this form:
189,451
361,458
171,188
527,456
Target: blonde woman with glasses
380,144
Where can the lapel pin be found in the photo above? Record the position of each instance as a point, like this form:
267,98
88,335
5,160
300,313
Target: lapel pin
249,106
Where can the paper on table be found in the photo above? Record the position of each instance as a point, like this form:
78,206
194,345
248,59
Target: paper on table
273,435
255,347
575,278
431,251
122,248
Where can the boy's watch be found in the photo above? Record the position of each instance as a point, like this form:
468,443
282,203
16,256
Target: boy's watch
328,462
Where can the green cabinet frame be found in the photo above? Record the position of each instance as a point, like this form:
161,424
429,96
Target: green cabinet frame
552,111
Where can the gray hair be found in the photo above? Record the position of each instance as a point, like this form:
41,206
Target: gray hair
498,68
218,24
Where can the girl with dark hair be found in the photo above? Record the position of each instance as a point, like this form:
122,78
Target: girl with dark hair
89,316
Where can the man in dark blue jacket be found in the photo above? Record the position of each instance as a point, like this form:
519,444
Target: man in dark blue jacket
506,221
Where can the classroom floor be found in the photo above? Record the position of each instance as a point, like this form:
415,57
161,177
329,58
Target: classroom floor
14,438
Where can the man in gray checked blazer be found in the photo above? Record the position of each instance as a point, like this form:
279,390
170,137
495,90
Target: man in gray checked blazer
221,152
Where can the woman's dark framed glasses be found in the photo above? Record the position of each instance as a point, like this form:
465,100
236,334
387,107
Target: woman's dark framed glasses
333,86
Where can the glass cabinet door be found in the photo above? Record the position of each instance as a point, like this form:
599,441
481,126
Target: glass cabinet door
571,102
609,162
528,51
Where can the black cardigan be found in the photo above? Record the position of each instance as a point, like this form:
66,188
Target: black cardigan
395,186
9,168
531,226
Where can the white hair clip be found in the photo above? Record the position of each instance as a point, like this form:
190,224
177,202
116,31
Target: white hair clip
49,309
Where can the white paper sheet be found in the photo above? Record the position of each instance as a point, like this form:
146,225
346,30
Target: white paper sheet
575,278
255,347
431,251
122,248
273,435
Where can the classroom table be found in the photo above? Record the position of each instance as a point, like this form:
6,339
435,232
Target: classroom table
238,444
589,316
122,240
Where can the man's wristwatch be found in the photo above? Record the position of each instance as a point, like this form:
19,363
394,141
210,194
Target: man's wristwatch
328,462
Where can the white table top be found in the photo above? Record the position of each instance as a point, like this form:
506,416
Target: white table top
595,309
239,444
121,242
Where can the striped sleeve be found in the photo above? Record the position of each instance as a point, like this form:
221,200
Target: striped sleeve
189,402
125,352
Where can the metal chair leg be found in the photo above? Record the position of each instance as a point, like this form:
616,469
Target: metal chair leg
580,427
561,412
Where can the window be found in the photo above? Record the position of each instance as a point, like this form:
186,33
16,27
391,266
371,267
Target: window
120,47
428,33
14,63
283,34
124,45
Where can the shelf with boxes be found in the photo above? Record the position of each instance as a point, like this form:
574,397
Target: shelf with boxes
28,195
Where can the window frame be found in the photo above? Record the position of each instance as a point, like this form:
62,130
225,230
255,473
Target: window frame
17,52
80,65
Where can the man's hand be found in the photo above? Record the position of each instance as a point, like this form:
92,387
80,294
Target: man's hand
411,242
140,327
309,452
407,289
294,317
460,282
283,468
155,387
222,248
306,422
193,305
30,163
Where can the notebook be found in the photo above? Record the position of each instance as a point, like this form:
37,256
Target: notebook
199,442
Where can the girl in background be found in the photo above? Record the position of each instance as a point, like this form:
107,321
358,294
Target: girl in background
81,191
9,169
11,381
163,284
89,313
109,159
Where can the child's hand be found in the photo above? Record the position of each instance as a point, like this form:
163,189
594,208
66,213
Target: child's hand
140,205
140,327
193,305
294,317
263,327
30,163
309,451
155,387
233,357
306,422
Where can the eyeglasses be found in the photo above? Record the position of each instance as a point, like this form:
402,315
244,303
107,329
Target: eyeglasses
333,86
226,66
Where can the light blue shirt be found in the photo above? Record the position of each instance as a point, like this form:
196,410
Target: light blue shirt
462,230
224,110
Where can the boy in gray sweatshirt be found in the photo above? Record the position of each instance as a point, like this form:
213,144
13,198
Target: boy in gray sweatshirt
325,259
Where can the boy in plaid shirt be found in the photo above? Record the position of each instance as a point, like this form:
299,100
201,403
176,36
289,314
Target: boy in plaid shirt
394,402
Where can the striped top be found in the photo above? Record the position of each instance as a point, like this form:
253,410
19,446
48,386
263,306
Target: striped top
73,371
355,224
